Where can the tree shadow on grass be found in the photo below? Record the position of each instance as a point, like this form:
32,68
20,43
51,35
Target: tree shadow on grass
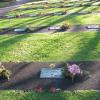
6,45
65,18
24,24
54,22
59,20
32,21
85,53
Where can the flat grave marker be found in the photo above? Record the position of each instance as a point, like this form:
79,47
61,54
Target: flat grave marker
20,30
83,12
10,16
51,73
93,27
54,28
96,12
32,15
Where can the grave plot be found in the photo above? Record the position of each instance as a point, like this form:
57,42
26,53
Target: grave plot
36,73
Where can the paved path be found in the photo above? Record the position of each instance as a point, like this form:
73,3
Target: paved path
27,76
12,6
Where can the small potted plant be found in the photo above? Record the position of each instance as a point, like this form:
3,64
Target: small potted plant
65,26
40,14
29,28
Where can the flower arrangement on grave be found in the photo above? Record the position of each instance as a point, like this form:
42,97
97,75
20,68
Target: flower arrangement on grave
74,71
52,66
65,26
4,73
40,14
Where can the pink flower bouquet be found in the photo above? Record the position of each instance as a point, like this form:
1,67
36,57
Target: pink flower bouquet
72,71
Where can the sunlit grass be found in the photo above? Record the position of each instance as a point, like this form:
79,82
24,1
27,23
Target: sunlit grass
47,47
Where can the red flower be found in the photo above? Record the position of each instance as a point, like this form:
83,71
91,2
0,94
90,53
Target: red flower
39,89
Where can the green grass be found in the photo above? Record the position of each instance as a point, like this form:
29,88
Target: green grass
67,95
3,4
49,21
46,10
50,47
52,20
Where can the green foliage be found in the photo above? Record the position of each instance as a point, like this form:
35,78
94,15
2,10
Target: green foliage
66,95
65,26
4,73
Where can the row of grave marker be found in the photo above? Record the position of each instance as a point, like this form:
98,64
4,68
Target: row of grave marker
62,6
58,28
32,15
88,27
48,14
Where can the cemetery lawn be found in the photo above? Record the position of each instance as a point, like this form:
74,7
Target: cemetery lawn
51,10
49,21
50,47
67,95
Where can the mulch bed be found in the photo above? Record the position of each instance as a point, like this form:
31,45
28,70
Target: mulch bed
26,76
